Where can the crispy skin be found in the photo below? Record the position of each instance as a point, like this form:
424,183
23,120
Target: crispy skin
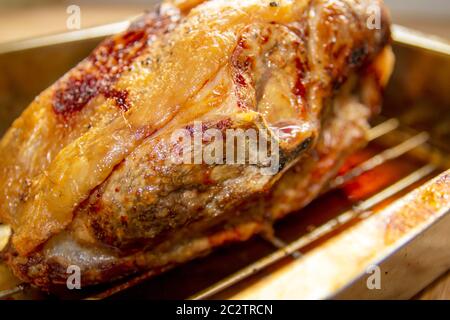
88,180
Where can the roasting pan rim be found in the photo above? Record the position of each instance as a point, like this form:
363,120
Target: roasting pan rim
401,35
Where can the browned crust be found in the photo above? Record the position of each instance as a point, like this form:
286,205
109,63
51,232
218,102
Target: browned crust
114,56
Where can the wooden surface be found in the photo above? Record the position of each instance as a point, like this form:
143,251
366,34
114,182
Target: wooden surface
439,290
19,22
26,22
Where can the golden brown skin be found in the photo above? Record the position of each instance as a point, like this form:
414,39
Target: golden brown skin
87,179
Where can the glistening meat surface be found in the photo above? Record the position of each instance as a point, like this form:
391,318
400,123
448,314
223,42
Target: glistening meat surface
86,177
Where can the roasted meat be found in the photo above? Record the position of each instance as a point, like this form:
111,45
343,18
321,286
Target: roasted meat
88,176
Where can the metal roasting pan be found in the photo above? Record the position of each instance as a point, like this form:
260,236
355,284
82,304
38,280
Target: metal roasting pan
386,215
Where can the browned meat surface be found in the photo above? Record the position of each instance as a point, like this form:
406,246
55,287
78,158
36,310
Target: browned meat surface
87,177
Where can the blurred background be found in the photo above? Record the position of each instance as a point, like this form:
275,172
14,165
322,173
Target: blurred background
20,19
